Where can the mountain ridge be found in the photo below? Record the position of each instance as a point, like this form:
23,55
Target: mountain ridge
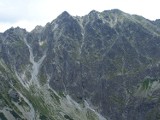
104,65
105,11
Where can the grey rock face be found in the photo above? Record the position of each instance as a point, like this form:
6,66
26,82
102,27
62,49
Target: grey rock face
13,95
103,58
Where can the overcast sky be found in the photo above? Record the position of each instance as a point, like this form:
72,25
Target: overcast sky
29,13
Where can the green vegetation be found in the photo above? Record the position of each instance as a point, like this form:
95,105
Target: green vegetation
54,96
61,93
146,84
23,103
2,116
28,75
43,117
44,45
15,114
18,44
42,78
117,100
67,117
91,115
8,103
38,103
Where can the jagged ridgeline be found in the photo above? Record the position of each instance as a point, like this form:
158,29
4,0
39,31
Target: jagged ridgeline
101,66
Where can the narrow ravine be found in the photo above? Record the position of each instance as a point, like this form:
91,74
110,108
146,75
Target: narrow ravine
35,65
30,115
100,117
83,35
70,106
21,80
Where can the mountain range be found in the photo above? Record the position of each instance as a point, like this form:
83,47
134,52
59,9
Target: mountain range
101,66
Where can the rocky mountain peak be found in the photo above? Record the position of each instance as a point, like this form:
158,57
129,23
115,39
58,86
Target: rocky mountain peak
115,12
15,30
93,12
37,29
63,19
64,15
157,22
14,34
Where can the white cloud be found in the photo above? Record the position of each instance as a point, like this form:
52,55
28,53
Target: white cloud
29,13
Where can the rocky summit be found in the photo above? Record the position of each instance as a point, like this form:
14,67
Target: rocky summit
101,66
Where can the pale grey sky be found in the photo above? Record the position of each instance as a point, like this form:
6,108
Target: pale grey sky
29,13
